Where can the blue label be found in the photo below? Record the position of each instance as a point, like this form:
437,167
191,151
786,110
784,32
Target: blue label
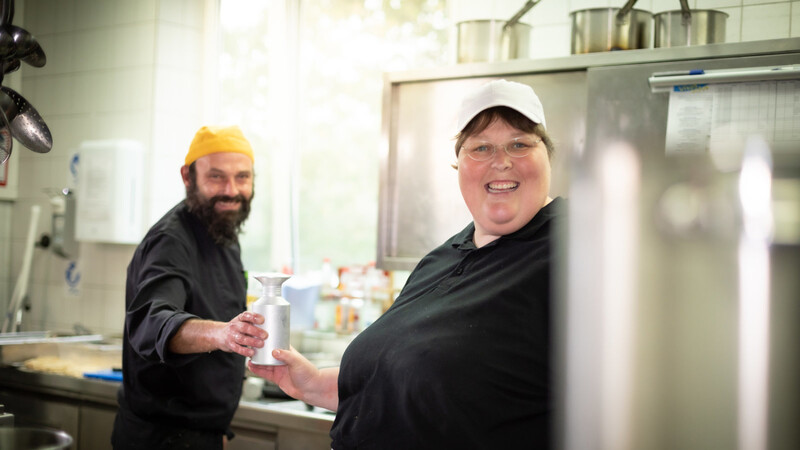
689,87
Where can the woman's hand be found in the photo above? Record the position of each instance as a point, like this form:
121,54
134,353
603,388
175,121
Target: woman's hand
301,379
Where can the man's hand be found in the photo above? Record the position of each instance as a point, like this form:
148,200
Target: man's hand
241,333
238,335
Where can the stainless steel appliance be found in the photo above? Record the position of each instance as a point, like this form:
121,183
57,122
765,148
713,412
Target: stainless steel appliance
678,309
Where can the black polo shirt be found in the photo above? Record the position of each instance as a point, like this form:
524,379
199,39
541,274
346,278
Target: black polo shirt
462,358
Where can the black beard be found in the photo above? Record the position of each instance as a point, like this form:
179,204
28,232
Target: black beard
223,227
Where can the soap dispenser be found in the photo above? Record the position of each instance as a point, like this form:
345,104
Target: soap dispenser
275,310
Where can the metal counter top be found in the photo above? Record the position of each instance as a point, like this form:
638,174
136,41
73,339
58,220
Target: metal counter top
98,391
283,414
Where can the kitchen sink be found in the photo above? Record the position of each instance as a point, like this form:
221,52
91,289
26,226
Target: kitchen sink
15,348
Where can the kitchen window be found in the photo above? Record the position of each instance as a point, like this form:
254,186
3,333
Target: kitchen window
304,79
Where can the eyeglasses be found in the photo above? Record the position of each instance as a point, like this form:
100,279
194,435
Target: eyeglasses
484,151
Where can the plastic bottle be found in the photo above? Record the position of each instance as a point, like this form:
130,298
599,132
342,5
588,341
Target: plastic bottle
376,291
325,309
329,280
276,312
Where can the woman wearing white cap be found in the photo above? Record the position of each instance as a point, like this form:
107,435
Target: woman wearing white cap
462,358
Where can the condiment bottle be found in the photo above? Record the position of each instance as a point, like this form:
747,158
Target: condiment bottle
275,310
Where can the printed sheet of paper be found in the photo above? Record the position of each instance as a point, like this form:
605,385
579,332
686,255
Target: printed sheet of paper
689,119
718,116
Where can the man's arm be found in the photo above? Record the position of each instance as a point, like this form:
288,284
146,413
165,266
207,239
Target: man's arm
238,335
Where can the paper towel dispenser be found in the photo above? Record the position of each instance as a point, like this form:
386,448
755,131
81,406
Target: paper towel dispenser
109,192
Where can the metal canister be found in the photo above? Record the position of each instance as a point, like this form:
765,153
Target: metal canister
276,311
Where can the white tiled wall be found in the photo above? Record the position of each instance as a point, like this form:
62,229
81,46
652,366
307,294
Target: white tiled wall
748,20
127,69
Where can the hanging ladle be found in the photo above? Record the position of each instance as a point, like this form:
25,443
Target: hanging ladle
515,18
6,11
24,122
24,46
27,47
7,46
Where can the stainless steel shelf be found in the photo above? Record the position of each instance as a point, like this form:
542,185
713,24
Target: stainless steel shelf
600,59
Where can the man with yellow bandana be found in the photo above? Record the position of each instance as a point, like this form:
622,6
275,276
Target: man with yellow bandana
186,330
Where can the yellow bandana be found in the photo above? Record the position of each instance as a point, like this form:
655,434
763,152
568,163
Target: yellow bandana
214,139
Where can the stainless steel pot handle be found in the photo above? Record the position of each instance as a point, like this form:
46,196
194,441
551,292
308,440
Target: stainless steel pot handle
512,21
685,12
622,15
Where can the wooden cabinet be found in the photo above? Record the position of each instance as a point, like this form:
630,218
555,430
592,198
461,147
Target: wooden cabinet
283,439
289,439
250,439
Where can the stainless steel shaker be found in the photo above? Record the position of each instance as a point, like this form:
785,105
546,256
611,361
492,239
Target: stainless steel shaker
276,312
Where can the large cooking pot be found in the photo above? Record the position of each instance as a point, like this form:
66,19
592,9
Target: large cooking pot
492,40
605,29
698,27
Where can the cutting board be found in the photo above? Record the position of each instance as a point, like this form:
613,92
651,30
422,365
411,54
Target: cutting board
109,375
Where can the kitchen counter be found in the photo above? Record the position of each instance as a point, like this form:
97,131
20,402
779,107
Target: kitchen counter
285,424
97,391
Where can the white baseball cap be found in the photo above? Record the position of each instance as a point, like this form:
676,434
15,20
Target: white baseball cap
517,96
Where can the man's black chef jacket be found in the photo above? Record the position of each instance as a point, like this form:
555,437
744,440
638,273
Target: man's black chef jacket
179,273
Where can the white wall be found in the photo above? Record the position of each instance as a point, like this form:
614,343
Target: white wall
135,69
